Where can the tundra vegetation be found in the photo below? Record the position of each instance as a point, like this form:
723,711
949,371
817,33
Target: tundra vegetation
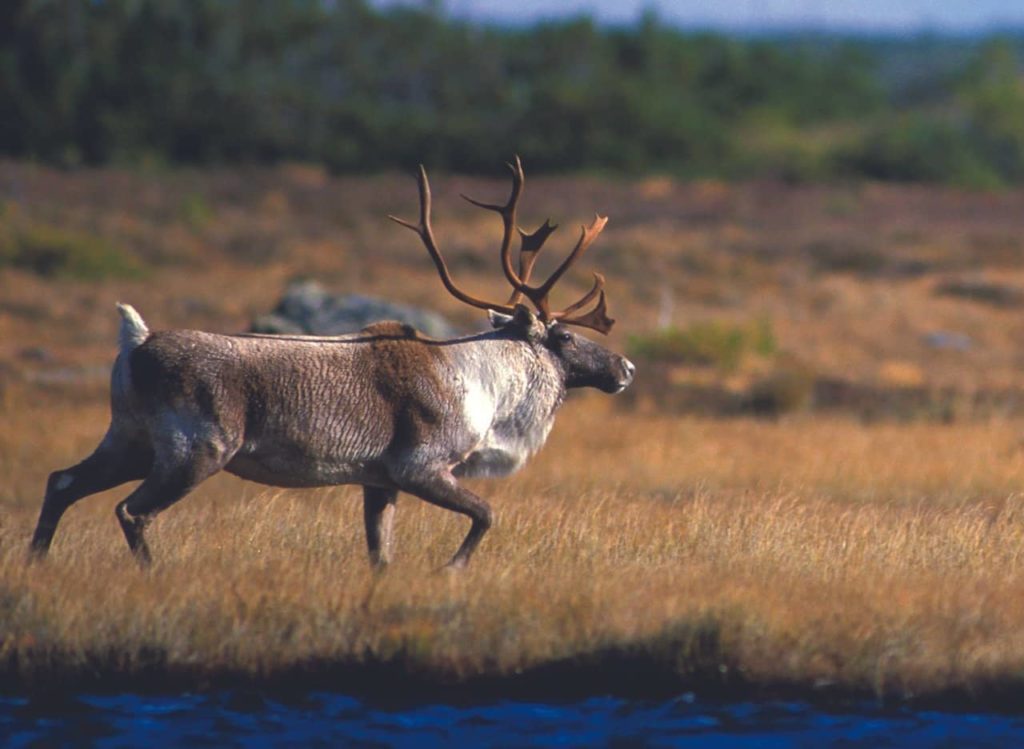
865,541
360,85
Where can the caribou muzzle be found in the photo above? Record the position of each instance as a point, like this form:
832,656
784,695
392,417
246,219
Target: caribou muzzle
625,369
613,378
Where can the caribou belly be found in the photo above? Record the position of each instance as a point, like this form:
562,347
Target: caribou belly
489,463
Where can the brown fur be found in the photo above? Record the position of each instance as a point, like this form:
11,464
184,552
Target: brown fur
406,372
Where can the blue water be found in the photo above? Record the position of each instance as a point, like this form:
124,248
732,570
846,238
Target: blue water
243,719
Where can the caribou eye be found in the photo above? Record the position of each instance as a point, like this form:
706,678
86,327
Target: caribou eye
564,336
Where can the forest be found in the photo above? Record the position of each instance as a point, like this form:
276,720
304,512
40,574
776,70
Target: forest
361,89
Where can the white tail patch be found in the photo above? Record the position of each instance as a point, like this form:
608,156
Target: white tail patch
133,330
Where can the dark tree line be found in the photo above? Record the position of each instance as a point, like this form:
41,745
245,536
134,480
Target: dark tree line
360,88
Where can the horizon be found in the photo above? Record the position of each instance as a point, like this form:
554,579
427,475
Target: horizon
869,17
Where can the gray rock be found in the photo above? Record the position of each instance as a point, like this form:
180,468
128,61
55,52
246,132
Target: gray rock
942,339
307,307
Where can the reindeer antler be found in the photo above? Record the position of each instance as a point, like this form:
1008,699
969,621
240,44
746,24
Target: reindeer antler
426,234
530,245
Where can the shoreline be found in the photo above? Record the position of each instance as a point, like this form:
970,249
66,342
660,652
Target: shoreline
609,673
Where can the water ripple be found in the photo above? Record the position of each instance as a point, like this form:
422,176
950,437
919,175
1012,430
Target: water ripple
240,718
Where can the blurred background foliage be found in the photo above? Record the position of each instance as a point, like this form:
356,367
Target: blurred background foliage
361,88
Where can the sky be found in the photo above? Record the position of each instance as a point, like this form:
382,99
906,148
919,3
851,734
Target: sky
898,16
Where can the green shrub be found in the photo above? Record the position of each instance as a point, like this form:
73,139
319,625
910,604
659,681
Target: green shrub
714,343
57,253
986,292
920,148
195,211
788,387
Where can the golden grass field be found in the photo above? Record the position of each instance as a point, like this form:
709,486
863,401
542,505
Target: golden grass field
820,551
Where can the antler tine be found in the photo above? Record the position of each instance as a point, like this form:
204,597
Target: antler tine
597,318
587,236
584,300
508,218
539,294
426,235
531,244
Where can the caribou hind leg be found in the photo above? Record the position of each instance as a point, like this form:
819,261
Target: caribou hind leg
169,481
378,517
115,461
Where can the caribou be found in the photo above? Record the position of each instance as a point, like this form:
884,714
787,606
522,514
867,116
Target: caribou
385,408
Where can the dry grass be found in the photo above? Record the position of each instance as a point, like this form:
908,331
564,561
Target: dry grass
874,559
813,552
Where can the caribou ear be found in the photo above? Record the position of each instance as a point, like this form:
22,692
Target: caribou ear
523,317
522,320
498,319
532,328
